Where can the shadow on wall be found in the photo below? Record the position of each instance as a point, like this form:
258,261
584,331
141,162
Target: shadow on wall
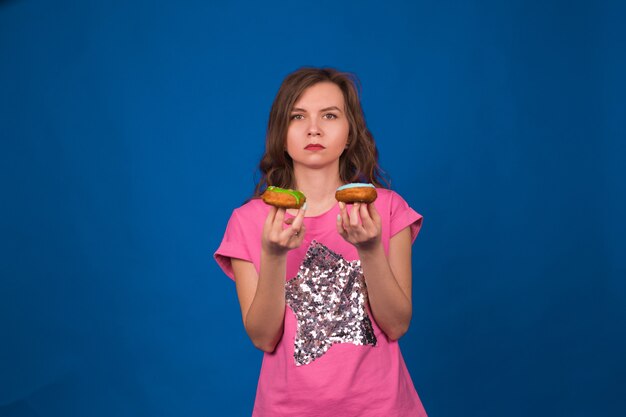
19,408
5,2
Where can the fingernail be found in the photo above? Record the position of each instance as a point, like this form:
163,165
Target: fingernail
339,217
304,206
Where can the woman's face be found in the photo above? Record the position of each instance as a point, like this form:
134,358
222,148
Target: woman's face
318,127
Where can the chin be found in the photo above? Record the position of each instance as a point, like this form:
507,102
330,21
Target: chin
313,164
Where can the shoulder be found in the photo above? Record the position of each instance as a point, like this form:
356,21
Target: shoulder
385,194
251,213
399,213
394,204
389,198
255,206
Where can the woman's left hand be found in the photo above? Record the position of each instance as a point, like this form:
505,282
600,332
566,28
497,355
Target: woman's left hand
364,233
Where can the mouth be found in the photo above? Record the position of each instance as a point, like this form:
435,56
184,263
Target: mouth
314,147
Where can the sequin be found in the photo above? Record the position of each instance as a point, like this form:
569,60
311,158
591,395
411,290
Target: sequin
329,298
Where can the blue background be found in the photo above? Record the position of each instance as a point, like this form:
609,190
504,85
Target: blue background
503,123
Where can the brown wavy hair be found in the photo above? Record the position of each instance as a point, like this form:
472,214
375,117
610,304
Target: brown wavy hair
358,163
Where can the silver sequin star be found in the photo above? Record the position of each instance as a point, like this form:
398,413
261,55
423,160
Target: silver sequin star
329,297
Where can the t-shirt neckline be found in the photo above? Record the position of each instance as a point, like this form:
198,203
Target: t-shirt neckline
318,216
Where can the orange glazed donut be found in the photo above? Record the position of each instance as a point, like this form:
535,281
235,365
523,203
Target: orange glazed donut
283,198
356,193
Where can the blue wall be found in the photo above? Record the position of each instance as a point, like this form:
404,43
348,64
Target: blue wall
503,123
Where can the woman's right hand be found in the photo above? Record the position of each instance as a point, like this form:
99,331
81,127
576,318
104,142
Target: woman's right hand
278,240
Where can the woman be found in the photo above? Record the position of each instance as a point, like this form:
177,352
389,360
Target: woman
325,291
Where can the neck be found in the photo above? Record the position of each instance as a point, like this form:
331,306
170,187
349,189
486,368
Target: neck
319,186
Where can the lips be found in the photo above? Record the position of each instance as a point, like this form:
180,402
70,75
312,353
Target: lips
314,147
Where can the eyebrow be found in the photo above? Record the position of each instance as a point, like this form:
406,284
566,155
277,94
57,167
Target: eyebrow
322,110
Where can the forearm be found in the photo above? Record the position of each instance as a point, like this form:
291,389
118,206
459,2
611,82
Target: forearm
265,318
390,306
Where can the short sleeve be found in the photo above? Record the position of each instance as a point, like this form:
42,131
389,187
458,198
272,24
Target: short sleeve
404,216
234,245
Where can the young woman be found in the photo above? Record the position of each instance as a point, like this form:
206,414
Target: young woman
325,291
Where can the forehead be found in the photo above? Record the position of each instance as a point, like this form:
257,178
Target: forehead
320,95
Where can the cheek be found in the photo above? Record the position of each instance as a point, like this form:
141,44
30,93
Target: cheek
289,141
343,133
292,142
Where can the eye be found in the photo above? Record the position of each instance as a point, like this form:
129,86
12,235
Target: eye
296,117
330,116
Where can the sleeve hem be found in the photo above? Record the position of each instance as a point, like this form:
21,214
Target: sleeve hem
225,253
410,219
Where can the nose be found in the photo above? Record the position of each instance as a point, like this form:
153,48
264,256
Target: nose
314,129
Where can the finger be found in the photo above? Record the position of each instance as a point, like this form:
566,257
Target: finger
354,215
298,220
289,220
374,213
299,237
269,220
339,224
293,236
366,220
345,220
279,218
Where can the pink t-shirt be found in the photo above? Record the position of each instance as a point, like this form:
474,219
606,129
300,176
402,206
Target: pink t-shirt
364,377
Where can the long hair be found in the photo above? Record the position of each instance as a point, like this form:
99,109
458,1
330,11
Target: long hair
358,163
